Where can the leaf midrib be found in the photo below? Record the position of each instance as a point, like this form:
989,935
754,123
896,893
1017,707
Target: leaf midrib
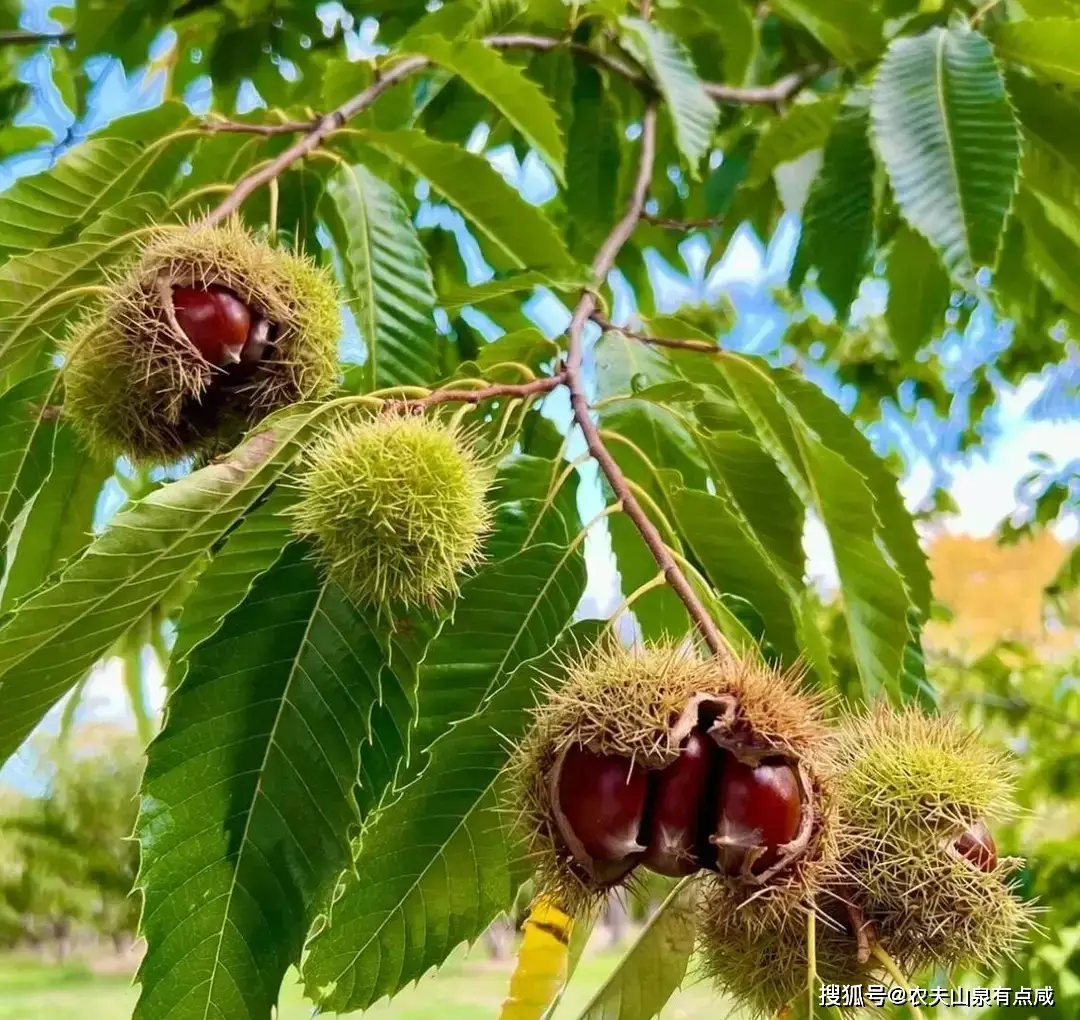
257,792
484,702
184,536
939,92
25,321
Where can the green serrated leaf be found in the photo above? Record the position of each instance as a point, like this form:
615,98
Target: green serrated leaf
732,22
838,223
247,800
694,115
756,488
1052,254
441,861
872,592
1049,47
1050,167
849,29
58,633
26,436
918,292
946,134
801,129
59,519
737,564
50,209
387,279
653,968
250,549
593,159
518,98
504,286
520,233
40,290
838,432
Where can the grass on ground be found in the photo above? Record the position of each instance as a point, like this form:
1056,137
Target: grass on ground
466,988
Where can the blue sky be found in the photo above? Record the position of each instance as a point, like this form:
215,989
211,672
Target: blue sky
982,483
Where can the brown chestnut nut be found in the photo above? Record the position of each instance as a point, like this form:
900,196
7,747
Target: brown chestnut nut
680,794
760,809
977,846
215,320
600,805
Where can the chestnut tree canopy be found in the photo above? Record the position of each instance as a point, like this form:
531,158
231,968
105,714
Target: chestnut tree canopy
521,202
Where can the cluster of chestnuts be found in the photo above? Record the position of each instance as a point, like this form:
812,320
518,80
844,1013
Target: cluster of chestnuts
878,824
657,758
706,809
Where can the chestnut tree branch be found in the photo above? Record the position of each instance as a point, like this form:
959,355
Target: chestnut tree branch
672,224
314,137
447,396
763,95
319,130
657,341
602,264
18,38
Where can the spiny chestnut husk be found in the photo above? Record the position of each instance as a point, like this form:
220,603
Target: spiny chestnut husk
917,796
205,334
753,944
397,506
655,757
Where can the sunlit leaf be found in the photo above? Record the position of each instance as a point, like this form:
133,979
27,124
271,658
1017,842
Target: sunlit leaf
850,29
441,861
387,279
946,134
515,96
652,969
520,232
58,522
248,800
60,631
40,290
801,129
693,113
1050,47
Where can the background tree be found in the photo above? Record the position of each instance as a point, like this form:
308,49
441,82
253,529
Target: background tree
69,861
927,150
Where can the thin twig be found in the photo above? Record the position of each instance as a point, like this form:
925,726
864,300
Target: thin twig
762,95
657,341
33,38
602,264
544,43
316,131
448,396
288,127
669,223
314,138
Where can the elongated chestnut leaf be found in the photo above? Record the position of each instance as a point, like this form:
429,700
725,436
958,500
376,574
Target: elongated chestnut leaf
447,830
144,555
247,802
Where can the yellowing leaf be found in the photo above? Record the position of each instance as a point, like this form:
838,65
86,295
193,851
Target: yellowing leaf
542,964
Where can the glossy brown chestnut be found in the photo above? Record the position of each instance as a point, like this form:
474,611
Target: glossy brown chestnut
601,798
977,845
679,794
760,807
215,320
